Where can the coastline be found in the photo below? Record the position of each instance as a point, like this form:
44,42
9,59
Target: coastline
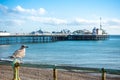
29,73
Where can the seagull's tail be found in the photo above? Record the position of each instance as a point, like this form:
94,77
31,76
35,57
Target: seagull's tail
11,57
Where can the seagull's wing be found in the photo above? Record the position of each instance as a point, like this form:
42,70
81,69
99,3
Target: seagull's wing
16,53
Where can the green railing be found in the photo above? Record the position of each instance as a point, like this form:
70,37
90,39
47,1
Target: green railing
64,67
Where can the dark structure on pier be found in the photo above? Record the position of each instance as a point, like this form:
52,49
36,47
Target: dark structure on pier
11,39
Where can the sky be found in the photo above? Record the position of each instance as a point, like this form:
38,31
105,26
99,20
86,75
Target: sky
24,16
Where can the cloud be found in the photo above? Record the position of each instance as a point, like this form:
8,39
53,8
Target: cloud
108,22
79,21
12,22
16,22
3,9
40,11
20,10
112,22
48,20
23,16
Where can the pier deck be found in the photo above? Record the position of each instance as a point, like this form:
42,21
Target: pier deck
10,39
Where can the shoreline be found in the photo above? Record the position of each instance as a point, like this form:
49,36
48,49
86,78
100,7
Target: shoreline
29,73
64,67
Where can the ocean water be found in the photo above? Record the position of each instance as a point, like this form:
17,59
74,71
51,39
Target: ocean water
96,54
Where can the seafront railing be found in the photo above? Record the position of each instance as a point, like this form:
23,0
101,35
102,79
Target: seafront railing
60,72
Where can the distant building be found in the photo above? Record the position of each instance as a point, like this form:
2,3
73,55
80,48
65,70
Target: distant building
98,31
82,32
39,32
4,33
94,31
64,31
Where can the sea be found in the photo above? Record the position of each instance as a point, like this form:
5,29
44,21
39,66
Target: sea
95,54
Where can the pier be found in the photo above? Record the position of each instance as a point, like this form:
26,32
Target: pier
44,38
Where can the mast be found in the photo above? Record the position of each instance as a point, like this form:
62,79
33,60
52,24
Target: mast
100,23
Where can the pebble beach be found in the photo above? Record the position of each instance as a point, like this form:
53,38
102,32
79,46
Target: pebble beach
27,73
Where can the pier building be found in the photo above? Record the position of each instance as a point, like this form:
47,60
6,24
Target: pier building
4,33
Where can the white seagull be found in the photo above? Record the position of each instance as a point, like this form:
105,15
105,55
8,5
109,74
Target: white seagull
20,53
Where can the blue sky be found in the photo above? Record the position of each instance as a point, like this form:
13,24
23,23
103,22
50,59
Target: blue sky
54,15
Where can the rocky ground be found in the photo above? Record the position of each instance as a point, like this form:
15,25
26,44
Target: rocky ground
26,73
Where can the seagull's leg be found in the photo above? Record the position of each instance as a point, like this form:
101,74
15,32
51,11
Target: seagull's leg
21,60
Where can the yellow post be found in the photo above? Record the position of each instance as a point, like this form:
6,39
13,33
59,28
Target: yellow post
103,74
54,74
15,66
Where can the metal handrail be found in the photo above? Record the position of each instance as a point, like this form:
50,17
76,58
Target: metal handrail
66,67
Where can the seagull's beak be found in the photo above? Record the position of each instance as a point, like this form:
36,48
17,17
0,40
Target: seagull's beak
26,47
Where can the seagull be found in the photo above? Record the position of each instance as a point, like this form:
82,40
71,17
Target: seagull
20,53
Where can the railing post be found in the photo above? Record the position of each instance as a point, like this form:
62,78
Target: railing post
15,66
54,74
103,74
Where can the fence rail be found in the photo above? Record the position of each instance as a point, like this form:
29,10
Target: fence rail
68,68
